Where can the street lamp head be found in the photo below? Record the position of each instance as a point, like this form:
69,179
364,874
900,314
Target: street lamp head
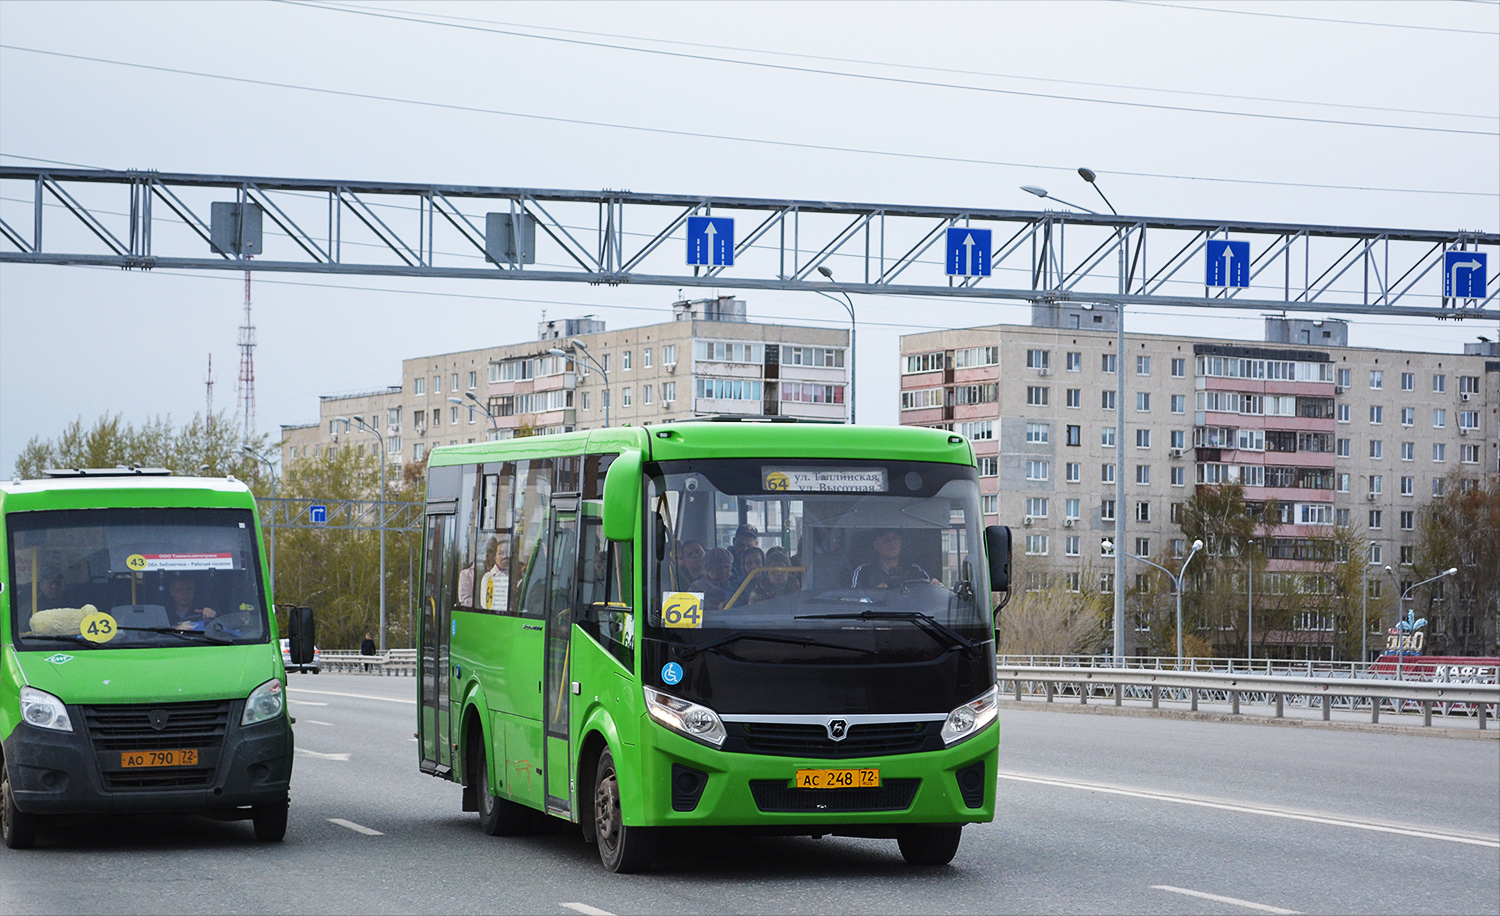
1107,544
557,352
822,269
578,343
1197,545
1033,189
470,396
1451,571
456,400
1087,175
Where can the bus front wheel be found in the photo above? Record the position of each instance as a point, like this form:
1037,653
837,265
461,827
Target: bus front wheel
929,844
17,828
270,821
622,849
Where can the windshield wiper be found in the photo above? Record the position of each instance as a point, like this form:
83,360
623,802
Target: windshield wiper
925,622
716,644
219,636
68,637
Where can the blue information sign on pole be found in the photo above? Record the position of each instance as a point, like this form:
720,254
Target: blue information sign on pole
317,514
1228,264
968,252
1464,274
710,241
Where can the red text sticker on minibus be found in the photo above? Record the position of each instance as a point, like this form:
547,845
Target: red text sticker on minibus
148,562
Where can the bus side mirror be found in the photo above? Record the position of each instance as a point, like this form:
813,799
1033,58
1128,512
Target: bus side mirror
300,635
622,496
997,547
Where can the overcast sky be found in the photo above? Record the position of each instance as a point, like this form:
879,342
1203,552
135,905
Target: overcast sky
1369,114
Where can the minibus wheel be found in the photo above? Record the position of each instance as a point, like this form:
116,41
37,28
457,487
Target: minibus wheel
929,844
270,821
622,849
17,828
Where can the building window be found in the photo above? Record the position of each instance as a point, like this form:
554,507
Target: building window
1037,432
1468,419
1036,544
925,362
437,384
914,399
1107,362
646,394
1070,547
1143,438
1036,506
646,358
1342,483
668,392
1037,470
1439,418
1439,452
1408,416
1408,451
583,400
1178,437
1377,379
473,380
1107,399
1377,414
1343,378
1178,476
1341,413
1438,489
1179,403
437,417
1038,359
1179,367
1377,448
1107,436
1143,365
989,466
1143,512
1408,555
453,416
1341,518
1143,402
1377,484
1075,471
1074,434
971,357
1439,383
1070,508
669,355
1408,486
625,361
990,504
1375,519
1074,361
1468,384
604,360
1341,448
1468,454
977,430
1408,381
1107,583
418,450
1143,547
1143,474
725,389
1074,397
1408,520
419,386
1106,510
1037,395
1107,473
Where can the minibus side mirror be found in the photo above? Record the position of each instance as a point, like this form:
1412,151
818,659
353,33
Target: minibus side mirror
997,547
622,496
300,634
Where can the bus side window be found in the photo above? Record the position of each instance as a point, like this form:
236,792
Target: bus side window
604,595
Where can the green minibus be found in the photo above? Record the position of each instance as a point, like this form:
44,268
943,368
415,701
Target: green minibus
141,669
779,627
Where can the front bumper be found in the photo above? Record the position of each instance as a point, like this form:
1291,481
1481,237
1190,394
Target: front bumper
63,773
743,789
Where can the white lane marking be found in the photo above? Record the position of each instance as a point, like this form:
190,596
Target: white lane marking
586,910
356,696
1252,809
357,828
314,722
308,703
303,750
1232,901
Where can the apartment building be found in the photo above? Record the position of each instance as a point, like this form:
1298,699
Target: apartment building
1353,437
710,360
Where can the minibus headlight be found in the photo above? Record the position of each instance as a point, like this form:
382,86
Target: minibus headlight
265,702
44,710
971,718
697,722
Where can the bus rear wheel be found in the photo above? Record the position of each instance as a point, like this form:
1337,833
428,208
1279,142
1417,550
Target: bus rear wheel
17,828
929,844
497,816
622,849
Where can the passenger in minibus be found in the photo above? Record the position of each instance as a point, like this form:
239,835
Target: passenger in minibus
186,611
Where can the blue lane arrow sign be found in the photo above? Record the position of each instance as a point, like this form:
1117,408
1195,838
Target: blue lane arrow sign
710,241
317,514
1228,264
968,252
1464,274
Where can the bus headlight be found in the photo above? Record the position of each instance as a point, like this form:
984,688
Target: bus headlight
265,702
44,710
971,718
697,722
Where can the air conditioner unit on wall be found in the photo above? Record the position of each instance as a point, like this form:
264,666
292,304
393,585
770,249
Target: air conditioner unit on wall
1068,522
1027,522
1370,497
1044,371
1463,396
1175,452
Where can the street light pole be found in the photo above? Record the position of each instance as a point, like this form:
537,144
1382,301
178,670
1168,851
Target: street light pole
360,422
1250,600
578,344
1401,603
252,453
477,403
1364,606
1177,582
848,303
1119,594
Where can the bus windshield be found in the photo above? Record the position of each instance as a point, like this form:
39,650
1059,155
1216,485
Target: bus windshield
809,548
134,578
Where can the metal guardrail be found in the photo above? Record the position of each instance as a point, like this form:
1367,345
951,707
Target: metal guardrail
1347,692
1487,673
394,662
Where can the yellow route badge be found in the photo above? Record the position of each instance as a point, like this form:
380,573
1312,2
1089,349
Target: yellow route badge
97,627
682,610
136,562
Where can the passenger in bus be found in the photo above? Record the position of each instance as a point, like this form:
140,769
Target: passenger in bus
777,579
186,612
494,587
690,566
476,570
746,537
717,579
52,591
888,571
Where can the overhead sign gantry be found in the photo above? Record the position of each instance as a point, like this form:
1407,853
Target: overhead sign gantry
144,220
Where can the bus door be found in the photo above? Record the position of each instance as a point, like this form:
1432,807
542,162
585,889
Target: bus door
437,616
563,576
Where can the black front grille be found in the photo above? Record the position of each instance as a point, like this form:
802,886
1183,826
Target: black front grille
802,740
199,725
158,779
890,795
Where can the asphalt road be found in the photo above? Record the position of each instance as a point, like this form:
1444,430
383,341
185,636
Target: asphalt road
1099,814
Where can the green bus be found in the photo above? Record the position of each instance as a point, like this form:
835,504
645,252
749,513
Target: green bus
585,655
141,669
